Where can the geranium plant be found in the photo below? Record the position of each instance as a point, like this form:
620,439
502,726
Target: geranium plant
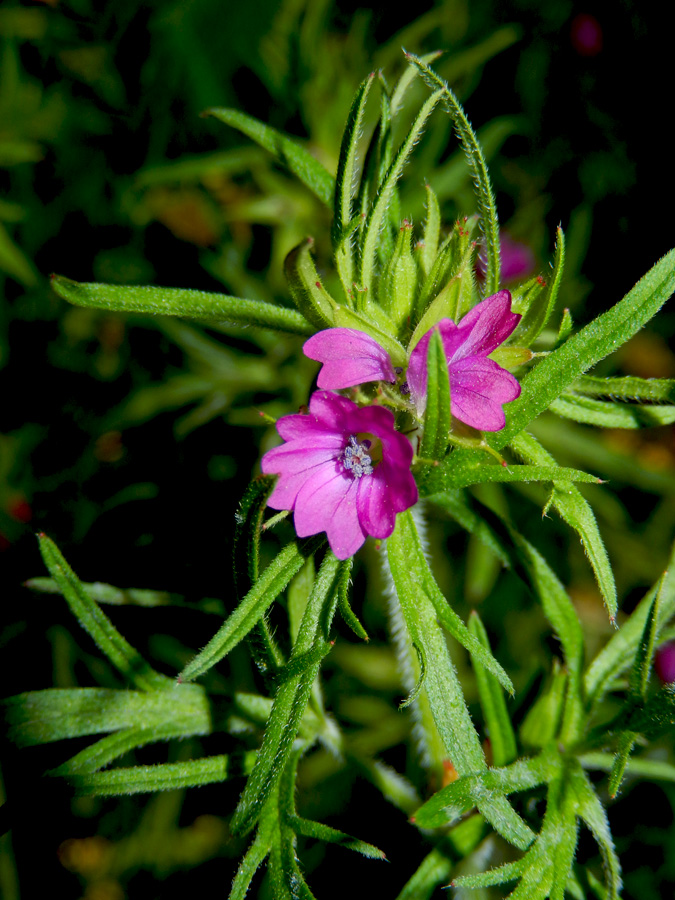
430,379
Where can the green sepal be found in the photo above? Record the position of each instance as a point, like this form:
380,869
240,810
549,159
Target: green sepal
348,318
432,229
539,312
398,282
92,618
491,696
158,301
309,295
289,153
543,720
437,417
565,329
457,292
511,357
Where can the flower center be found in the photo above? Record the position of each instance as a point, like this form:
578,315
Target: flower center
356,458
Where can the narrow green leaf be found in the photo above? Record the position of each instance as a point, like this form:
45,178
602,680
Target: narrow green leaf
458,797
312,299
549,378
605,414
657,716
163,777
441,684
107,593
345,182
245,566
650,390
254,858
39,717
291,698
479,470
376,217
209,308
320,832
574,509
644,658
640,767
110,748
493,704
348,614
474,155
543,720
535,319
565,329
499,875
252,608
620,651
437,414
432,872
432,227
287,151
564,847
594,816
621,757
90,616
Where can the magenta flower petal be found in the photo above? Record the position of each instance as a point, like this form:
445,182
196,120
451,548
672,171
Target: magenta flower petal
478,385
483,328
478,388
344,470
349,357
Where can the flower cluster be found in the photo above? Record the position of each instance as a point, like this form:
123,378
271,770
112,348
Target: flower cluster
345,469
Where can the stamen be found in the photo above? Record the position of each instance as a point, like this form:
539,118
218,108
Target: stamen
355,457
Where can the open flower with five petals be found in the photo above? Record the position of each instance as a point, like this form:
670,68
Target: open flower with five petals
343,469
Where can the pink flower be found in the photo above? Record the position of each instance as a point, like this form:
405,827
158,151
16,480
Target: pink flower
664,662
344,470
518,260
478,385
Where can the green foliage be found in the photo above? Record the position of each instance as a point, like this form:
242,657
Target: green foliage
296,731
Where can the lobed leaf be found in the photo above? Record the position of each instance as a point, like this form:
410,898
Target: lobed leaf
287,151
200,305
